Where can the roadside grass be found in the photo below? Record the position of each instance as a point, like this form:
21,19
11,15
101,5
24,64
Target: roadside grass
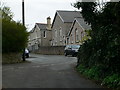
97,73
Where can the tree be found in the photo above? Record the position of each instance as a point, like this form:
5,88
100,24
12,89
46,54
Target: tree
14,34
103,49
6,13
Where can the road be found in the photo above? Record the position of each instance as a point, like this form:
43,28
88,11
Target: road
45,71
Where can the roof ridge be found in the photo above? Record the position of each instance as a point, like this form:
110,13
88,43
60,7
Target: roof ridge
79,17
41,23
66,11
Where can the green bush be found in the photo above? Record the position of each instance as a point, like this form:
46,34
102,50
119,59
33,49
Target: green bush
14,36
81,68
95,72
101,54
112,81
104,46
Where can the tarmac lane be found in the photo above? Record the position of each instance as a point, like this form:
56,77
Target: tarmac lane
45,71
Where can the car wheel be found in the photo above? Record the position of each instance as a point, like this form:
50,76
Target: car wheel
73,55
27,55
65,54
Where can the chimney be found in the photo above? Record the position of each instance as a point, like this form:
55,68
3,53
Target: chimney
49,23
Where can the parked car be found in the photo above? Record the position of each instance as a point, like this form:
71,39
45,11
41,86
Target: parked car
26,53
71,50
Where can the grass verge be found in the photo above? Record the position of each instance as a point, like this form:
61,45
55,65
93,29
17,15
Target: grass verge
99,74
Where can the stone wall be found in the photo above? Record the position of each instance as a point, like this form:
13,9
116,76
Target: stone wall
50,50
11,58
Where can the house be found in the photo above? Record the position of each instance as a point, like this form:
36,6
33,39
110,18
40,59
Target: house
68,27
61,26
40,35
77,31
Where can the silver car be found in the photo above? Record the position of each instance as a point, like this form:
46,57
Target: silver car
71,50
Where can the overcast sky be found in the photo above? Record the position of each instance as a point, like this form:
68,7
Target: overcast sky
36,11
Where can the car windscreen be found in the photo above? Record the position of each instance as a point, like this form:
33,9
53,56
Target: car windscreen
75,46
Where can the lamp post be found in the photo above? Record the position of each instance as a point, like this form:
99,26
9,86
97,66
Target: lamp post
23,22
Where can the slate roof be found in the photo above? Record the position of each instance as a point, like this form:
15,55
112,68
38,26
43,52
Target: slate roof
83,23
42,26
68,16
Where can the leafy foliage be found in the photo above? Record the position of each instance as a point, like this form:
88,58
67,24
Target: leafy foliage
6,13
99,74
112,81
14,35
86,37
103,49
93,73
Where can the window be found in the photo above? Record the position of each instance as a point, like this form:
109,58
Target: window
60,31
67,40
44,34
71,38
55,33
77,38
60,34
76,35
82,35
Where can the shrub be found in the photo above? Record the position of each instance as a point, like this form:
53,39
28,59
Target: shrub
81,68
95,72
101,54
112,81
14,36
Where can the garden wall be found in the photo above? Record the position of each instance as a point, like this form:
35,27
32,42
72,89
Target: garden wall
11,58
50,50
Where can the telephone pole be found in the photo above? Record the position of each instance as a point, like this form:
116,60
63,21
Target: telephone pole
23,22
23,14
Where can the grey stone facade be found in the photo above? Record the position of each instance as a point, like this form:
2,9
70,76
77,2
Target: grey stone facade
77,31
68,27
40,35
61,26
